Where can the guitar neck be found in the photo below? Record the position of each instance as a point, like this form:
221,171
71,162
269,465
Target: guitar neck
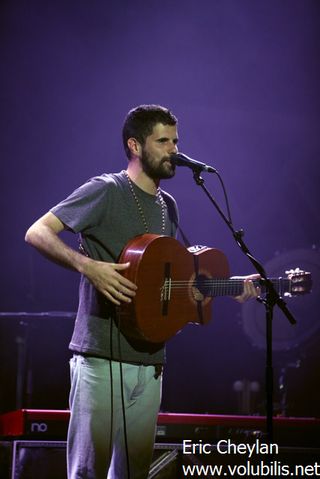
234,286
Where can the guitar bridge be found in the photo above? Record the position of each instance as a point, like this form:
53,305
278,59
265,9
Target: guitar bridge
166,290
165,294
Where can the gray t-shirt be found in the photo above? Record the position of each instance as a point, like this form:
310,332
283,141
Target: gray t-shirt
105,214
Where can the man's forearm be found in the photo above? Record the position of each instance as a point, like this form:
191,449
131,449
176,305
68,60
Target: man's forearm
48,243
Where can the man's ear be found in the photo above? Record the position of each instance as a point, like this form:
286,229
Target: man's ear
134,147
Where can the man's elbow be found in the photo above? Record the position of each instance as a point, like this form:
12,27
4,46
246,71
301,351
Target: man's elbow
31,235
43,228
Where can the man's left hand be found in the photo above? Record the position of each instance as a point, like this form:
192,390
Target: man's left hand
249,289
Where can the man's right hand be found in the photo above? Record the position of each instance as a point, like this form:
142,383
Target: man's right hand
107,279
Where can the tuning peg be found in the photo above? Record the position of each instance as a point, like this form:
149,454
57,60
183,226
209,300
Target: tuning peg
294,271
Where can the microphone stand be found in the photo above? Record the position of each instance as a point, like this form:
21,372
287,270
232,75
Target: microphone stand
272,298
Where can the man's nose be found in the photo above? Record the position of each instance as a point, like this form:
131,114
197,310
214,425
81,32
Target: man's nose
173,148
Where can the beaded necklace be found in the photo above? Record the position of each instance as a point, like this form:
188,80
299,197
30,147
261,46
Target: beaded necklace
140,209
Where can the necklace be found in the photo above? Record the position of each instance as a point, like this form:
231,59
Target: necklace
140,209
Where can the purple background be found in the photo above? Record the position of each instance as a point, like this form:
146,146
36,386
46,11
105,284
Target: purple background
243,78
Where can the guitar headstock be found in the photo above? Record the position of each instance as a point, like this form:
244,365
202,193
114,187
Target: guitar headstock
300,282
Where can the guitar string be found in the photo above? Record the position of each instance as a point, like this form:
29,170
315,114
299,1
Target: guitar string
215,282
227,285
286,287
230,282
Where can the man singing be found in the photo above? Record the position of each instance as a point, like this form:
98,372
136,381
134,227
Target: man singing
115,379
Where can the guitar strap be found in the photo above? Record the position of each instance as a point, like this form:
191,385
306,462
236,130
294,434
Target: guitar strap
81,247
199,302
183,235
196,268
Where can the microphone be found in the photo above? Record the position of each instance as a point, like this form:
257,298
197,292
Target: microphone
179,159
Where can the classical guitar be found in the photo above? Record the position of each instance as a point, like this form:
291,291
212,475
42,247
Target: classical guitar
176,285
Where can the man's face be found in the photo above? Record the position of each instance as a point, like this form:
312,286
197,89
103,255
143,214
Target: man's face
155,156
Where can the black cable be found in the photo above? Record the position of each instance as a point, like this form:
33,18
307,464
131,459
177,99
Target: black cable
111,392
225,196
83,251
125,435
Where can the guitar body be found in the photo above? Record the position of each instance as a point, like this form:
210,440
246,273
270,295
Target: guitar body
167,298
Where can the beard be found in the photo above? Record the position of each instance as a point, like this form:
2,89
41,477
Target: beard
157,170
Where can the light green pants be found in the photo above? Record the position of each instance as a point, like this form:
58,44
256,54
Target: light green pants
96,442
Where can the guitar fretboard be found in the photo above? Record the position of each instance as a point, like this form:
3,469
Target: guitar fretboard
234,287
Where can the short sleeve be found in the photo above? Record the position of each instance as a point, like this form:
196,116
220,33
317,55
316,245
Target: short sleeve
85,206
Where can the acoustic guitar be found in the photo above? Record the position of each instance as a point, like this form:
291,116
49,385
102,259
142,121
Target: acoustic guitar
176,286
